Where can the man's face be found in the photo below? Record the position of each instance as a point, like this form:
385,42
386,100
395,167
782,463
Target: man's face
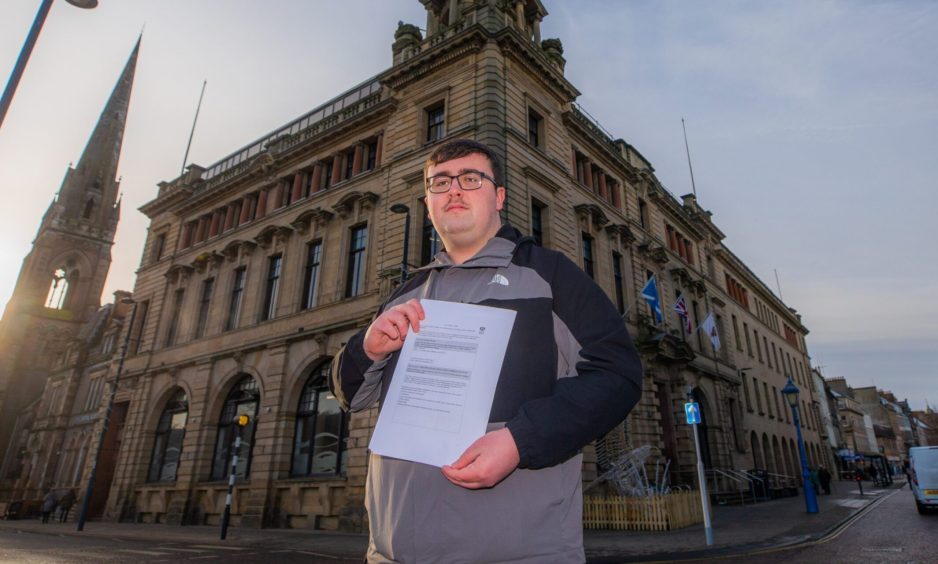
465,218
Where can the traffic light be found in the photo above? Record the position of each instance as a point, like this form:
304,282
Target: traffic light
243,420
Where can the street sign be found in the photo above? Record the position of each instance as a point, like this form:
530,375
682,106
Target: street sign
692,411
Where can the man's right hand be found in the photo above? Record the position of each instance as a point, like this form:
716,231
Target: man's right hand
386,333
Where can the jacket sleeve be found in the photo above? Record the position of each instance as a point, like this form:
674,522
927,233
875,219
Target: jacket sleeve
606,385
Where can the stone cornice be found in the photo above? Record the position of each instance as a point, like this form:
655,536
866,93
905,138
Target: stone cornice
523,51
468,41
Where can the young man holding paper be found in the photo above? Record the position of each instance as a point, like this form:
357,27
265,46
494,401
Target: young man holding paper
570,374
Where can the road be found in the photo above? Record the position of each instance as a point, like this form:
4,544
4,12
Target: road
23,547
892,531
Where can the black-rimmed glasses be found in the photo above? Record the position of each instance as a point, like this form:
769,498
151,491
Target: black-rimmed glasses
468,180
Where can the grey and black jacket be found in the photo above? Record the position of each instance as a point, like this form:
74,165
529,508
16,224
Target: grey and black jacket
570,374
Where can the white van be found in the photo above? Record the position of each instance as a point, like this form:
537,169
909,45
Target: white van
923,473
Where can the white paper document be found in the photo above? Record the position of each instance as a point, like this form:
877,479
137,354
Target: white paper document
441,393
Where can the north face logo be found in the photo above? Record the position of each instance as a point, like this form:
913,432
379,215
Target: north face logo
499,279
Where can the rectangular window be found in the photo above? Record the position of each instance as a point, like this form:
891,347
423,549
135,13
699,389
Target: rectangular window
617,279
642,213
307,184
108,345
698,333
158,245
758,346
768,357
778,366
174,316
435,117
372,159
139,323
777,406
748,339
587,254
739,343
755,388
327,174
311,279
273,287
535,128
746,393
204,302
349,164
785,408
537,223
768,401
237,294
430,243
355,277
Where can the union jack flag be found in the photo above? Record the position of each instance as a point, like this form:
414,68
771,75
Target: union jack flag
680,306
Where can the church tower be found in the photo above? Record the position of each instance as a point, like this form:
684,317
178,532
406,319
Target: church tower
60,283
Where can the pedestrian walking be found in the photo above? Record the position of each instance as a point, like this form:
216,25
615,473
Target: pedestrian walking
824,476
65,505
874,475
48,506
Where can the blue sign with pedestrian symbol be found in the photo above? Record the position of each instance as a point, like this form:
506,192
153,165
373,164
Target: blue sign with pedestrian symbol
692,410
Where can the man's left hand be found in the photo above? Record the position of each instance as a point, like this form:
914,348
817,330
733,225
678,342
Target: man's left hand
486,462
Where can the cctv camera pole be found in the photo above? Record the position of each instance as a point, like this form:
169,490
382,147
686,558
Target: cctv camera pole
241,421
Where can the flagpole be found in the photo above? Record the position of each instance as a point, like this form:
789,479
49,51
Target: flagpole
192,131
687,148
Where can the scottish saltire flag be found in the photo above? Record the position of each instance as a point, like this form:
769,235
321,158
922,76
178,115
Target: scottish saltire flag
709,326
680,306
650,293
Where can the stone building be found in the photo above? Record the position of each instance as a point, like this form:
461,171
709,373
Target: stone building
257,268
57,297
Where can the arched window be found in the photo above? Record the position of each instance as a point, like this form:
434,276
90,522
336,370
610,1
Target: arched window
242,400
57,290
319,445
167,446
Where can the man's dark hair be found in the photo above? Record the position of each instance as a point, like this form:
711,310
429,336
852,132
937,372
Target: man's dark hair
459,148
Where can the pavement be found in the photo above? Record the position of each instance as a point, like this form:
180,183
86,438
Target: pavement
736,530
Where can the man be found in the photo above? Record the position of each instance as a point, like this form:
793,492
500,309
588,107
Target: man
824,476
570,374
65,505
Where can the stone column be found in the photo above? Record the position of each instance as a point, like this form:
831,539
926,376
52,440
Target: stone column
245,209
261,204
229,217
603,188
317,178
200,231
616,195
357,160
336,168
216,221
379,150
186,235
453,11
276,197
297,186
588,173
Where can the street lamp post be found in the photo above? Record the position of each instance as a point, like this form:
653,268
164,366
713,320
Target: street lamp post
27,50
241,421
790,391
402,208
83,514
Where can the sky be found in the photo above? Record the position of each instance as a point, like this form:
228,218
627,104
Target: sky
812,127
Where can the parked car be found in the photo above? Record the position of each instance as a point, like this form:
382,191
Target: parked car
923,477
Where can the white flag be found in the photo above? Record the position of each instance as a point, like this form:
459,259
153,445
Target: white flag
710,328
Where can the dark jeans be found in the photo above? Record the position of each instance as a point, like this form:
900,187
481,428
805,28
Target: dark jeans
64,516
45,516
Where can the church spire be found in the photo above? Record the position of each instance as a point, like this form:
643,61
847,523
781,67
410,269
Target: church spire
90,190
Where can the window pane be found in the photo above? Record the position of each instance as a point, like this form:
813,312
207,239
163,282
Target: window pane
328,434
302,445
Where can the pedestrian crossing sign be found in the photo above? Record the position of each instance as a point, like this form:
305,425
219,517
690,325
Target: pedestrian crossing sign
692,410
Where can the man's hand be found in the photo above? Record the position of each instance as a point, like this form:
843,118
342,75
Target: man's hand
386,333
486,462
